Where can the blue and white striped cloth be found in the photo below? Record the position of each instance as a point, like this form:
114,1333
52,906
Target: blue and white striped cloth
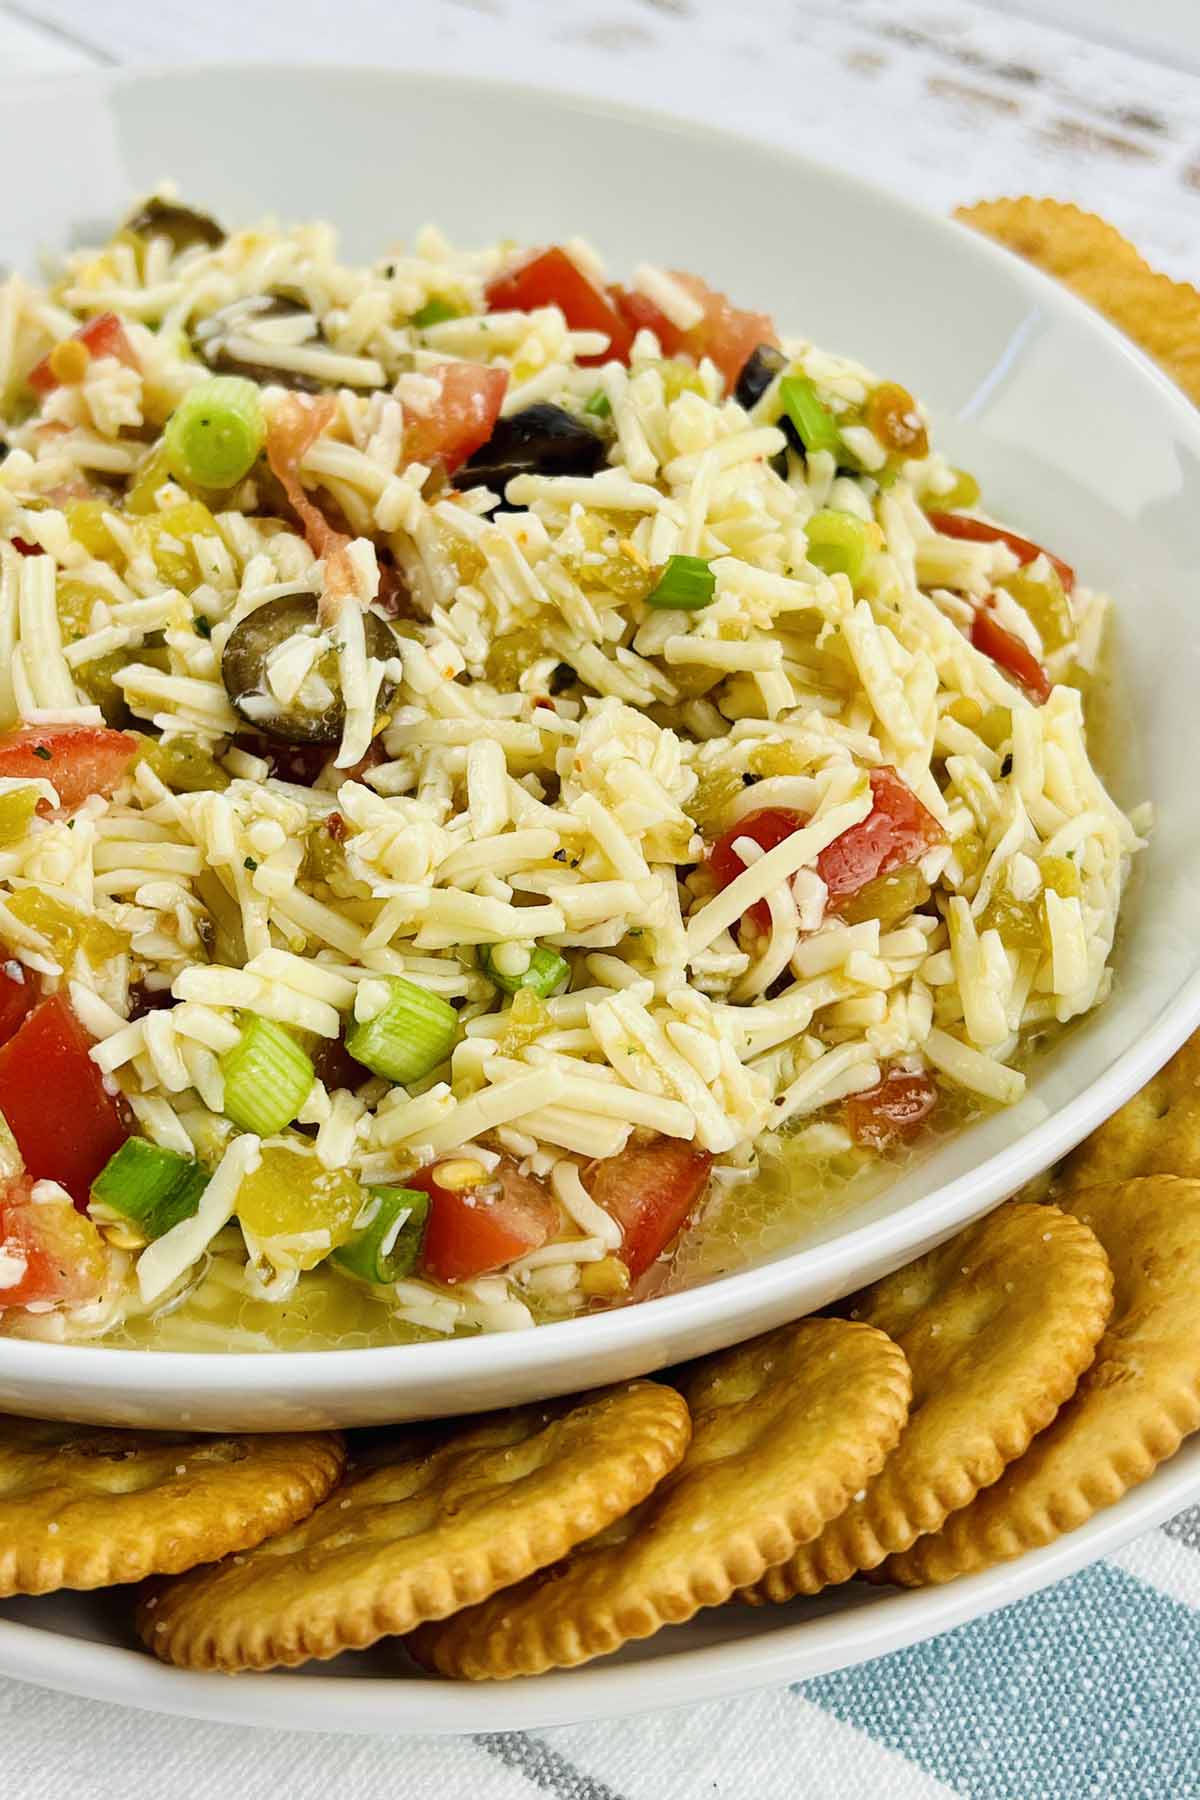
1089,1690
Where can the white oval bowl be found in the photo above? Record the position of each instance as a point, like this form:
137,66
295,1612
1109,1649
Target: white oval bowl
1077,438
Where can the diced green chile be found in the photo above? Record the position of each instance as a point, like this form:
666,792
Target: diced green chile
838,543
244,670
540,440
758,372
182,224
388,1248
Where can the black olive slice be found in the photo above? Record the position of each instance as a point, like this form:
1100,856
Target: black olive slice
244,670
210,335
540,440
182,224
758,372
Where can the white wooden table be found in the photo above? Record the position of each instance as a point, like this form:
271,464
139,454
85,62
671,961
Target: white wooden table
947,99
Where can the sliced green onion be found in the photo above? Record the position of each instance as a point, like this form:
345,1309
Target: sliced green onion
599,405
546,969
838,543
267,1077
216,432
686,584
387,1249
153,1187
434,312
411,1035
815,425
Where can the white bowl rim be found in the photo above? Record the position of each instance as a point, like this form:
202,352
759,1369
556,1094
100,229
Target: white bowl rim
324,1375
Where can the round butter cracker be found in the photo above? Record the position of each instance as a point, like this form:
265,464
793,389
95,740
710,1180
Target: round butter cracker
425,1523
83,1507
997,1325
1132,1408
1091,257
784,1431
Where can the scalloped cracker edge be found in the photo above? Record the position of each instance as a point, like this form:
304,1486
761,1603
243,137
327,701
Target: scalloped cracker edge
998,1325
423,1526
1092,258
82,1507
1132,1408
786,1429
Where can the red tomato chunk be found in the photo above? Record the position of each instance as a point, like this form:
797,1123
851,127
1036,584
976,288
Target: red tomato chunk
552,278
48,1251
77,760
472,1231
18,993
102,336
53,1098
1010,654
460,420
726,333
892,1112
897,831
978,531
651,1191
767,828
294,428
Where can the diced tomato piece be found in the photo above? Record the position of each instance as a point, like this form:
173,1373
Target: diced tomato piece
461,420
553,278
101,336
23,548
978,531
18,994
1010,654
726,333
472,1231
896,832
892,1112
650,1190
292,430
54,1101
77,759
48,1251
640,314
767,827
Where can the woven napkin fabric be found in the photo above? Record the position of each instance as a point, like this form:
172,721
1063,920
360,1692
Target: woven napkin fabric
1086,1691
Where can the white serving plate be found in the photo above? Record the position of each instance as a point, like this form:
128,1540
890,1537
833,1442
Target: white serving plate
83,1644
1076,437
